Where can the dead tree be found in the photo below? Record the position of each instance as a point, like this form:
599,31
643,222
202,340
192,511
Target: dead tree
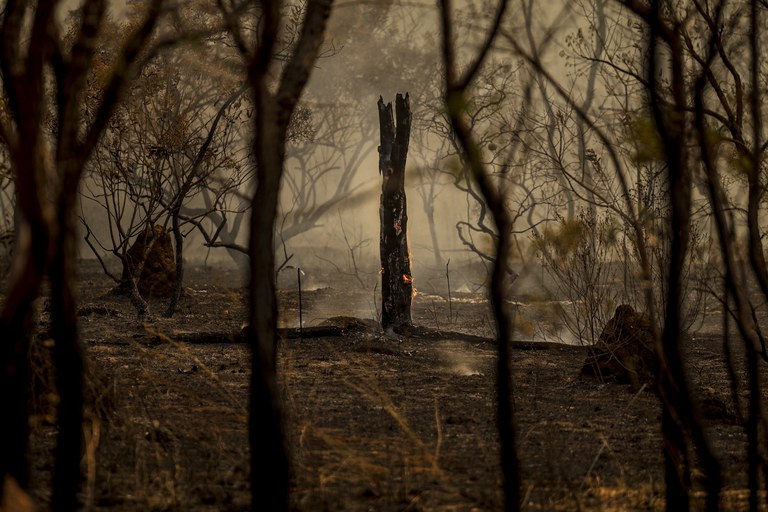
396,279
270,465
38,69
456,100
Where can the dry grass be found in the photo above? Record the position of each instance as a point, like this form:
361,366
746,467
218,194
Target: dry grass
389,461
171,439
372,424
361,435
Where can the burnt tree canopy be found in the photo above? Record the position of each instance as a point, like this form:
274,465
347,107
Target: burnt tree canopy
396,278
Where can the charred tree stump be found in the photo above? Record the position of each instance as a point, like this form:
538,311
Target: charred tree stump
396,279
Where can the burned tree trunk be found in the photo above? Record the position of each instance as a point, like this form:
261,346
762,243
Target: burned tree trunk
396,279
68,361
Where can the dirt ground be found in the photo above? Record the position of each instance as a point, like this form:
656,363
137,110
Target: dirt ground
373,424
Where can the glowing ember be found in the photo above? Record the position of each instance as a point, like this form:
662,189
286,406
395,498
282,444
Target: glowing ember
407,279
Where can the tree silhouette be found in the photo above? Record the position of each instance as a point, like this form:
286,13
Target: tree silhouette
274,110
396,278
48,165
456,102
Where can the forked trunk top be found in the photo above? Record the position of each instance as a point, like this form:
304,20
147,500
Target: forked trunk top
396,279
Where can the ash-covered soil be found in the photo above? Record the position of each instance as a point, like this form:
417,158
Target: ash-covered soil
372,423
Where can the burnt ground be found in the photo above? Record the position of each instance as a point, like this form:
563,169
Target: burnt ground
373,423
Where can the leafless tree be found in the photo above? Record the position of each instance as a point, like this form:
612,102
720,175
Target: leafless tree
656,86
532,194
44,85
456,102
275,104
580,255
728,113
431,178
321,170
177,136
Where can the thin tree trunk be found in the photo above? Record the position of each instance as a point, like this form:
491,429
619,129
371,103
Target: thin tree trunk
437,253
14,401
178,240
68,361
269,455
270,469
16,324
733,289
177,203
455,101
504,322
752,427
681,421
46,71
129,284
396,279
756,192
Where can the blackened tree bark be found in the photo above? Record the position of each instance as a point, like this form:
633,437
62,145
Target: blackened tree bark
671,386
756,256
47,171
681,420
269,457
33,230
68,358
396,278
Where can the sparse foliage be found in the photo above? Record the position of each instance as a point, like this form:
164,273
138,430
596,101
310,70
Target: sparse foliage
581,256
178,135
